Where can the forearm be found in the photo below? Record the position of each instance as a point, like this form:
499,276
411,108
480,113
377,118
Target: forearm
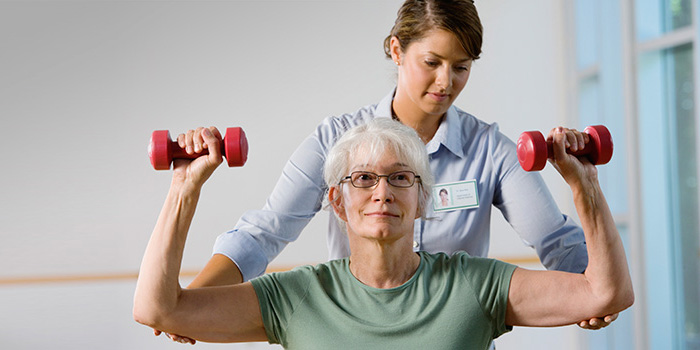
219,271
158,289
607,271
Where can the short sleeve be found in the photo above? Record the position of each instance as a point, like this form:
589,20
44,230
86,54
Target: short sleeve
279,294
490,280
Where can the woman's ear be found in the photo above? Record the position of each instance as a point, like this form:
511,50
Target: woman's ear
395,49
336,200
420,209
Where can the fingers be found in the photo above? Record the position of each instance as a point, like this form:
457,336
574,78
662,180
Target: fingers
574,169
211,141
181,340
561,140
175,337
574,140
566,140
193,142
610,319
598,323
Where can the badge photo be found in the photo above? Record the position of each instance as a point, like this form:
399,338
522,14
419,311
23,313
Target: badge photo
455,196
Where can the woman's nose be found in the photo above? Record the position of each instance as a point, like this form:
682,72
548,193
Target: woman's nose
383,191
444,78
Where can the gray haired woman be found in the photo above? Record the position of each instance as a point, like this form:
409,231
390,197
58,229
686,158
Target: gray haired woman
384,294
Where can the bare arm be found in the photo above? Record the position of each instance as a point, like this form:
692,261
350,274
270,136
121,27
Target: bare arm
216,314
219,271
551,298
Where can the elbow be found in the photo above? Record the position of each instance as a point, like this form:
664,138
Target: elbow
153,307
618,301
145,315
628,299
150,314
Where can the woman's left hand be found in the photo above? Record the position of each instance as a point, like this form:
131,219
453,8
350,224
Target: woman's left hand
175,338
598,323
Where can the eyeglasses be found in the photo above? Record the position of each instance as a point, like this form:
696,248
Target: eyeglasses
366,179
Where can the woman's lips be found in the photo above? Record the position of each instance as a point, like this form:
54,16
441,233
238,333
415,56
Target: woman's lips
438,96
381,214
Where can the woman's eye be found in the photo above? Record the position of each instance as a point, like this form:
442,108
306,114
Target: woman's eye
432,63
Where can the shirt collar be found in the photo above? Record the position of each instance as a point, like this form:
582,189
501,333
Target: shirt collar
384,107
447,134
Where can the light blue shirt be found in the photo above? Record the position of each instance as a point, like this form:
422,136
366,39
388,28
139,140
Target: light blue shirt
463,148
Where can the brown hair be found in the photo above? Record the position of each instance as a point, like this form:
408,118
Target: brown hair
416,17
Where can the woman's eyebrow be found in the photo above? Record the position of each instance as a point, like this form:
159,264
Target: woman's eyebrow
466,59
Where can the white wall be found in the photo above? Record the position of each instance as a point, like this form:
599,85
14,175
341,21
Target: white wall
83,84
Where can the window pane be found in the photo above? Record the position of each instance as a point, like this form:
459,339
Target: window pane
657,17
682,107
678,14
661,301
587,33
668,172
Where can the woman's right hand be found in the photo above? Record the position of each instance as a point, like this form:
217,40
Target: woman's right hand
575,170
196,171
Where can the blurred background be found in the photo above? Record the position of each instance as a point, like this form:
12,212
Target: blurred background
84,83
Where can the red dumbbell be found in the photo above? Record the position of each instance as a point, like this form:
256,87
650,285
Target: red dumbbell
162,150
533,149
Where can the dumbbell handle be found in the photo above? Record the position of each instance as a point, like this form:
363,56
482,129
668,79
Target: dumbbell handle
162,150
533,150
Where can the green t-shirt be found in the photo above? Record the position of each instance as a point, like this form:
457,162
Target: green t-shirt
456,302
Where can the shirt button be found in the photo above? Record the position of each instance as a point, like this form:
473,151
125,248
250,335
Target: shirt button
415,244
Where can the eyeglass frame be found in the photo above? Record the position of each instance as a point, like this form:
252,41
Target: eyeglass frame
349,177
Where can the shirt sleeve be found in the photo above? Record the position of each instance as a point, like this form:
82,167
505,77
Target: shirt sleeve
260,235
490,280
528,206
278,295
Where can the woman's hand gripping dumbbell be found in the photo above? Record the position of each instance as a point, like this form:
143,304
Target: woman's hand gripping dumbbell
162,150
534,150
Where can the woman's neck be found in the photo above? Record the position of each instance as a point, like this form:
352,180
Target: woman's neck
424,124
383,265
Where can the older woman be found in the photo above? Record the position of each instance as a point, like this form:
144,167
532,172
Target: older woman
384,293
433,44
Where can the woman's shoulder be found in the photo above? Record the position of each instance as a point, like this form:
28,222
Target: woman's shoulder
346,121
332,127
458,259
470,123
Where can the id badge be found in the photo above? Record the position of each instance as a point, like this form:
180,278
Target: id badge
455,196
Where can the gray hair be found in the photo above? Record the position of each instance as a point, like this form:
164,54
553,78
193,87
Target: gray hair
373,139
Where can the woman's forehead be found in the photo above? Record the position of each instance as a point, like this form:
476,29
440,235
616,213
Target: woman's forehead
367,157
381,166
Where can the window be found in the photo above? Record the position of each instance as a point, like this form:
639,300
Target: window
659,39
